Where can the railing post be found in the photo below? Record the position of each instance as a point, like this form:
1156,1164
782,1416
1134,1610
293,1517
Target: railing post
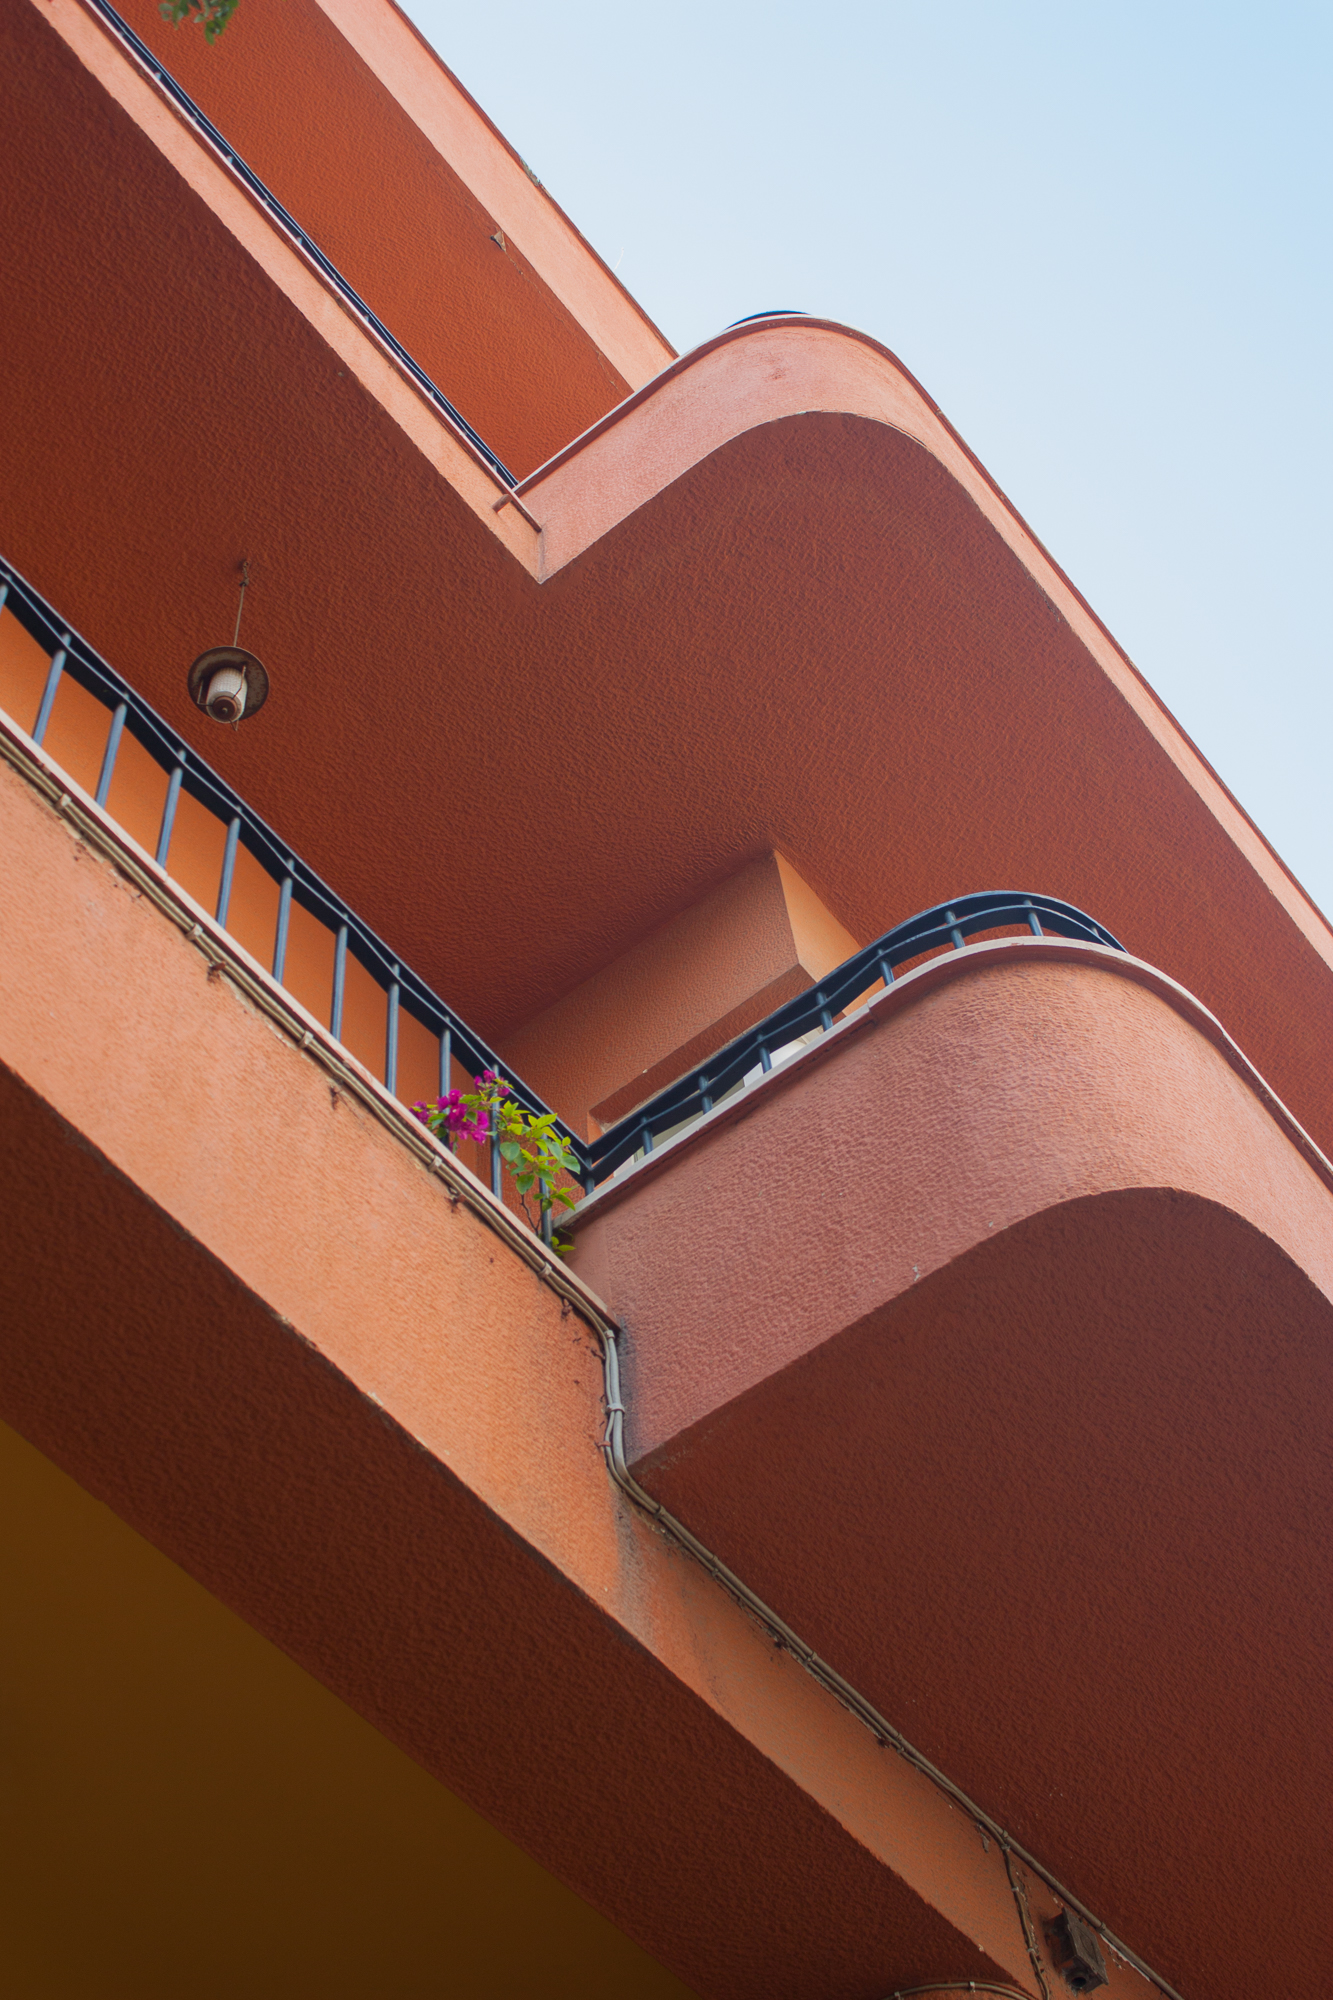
169,811
339,984
1033,923
391,1037
53,673
284,921
955,933
446,1060
228,869
109,754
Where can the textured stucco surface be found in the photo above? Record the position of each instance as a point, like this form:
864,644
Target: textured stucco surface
1030,1435
824,635
239,1312
396,219
679,994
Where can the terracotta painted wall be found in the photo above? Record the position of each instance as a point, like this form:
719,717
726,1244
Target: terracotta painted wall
682,992
996,1338
400,224
349,1410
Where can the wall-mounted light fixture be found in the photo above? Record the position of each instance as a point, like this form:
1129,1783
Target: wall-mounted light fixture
227,682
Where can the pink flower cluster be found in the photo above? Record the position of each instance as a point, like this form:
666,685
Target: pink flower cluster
450,1116
455,1116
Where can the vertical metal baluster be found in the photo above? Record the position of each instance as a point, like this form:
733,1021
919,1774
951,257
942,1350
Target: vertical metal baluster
339,984
495,1151
765,1059
955,933
825,1016
1033,924
391,1037
885,971
647,1138
705,1095
169,811
446,1060
542,1191
109,754
228,869
4,592
53,673
284,919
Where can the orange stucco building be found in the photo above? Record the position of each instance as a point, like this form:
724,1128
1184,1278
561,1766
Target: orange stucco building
886,1552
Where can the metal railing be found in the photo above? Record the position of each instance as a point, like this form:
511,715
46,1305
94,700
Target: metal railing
761,1049
128,715
287,222
801,1021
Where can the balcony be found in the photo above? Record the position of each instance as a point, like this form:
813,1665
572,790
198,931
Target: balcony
966,1297
981,1339
96,727
307,1361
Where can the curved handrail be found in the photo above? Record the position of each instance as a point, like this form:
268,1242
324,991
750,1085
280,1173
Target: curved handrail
691,1096
945,925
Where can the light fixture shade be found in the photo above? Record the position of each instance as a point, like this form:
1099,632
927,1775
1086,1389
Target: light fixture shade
214,687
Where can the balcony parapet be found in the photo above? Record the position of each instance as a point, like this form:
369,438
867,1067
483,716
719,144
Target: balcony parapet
285,1359
988,1340
198,829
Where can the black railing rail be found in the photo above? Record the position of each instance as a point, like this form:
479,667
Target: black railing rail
946,926
753,1054
129,714
269,201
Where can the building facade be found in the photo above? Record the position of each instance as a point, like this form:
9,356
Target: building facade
884,1549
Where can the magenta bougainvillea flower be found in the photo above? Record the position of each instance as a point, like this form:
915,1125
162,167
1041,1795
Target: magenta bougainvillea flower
454,1118
539,1157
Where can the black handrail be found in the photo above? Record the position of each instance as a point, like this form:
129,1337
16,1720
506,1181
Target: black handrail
947,924
268,200
71,655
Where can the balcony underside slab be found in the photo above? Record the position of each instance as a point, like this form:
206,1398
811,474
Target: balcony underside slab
996,1354
236,1309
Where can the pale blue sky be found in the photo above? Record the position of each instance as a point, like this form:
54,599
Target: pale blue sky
1100,237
